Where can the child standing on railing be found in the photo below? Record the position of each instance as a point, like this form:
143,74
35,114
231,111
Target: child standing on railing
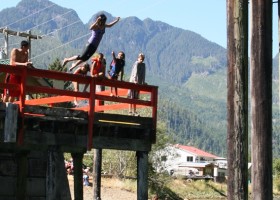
138,77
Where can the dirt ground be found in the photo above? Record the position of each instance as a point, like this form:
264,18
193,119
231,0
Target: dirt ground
107,192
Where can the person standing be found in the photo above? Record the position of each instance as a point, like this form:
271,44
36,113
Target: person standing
117,69
137,76
97,32
19,57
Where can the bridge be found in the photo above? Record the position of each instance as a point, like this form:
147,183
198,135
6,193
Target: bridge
40,130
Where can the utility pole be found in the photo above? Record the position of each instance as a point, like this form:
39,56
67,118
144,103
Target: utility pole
28,35
237,99
261,98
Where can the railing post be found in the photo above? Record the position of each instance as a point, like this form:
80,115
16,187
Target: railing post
154,101
22,104
91,101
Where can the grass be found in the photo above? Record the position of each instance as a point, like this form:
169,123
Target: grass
172,189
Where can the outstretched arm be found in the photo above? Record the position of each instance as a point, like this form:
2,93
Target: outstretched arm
113,22
114,56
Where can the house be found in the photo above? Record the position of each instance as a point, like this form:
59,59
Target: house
181,159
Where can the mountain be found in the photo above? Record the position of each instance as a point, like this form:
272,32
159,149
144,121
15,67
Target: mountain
189,70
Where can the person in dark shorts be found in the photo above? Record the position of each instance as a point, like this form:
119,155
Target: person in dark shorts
97,32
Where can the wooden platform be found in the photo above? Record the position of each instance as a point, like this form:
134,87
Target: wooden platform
45,126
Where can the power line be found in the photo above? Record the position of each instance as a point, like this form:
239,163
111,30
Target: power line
62,28
51,19
30,15
61,45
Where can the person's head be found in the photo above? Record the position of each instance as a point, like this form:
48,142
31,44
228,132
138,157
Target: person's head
121,55
85,67
104,61
141,57
24,44
100,56
103,19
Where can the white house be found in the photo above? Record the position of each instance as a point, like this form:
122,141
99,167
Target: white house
183,158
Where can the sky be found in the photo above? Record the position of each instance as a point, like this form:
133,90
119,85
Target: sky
204,17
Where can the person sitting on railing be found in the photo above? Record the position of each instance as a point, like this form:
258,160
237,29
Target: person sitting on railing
82,70
116,69
98,68
19,57
138,77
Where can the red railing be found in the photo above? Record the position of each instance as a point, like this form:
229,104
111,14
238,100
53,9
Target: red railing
63,95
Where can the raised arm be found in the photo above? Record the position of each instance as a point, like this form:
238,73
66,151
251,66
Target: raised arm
113,22
114,56
94,25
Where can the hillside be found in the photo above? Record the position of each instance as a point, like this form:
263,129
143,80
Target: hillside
189,70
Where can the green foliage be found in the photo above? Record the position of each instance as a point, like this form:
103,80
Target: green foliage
276,167
119,163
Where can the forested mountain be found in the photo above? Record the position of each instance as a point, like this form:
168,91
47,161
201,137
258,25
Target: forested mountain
189,70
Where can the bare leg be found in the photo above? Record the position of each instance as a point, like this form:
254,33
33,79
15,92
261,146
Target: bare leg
134,108
66,60
111,92
75,64
76,89
6,98
130,109
116,91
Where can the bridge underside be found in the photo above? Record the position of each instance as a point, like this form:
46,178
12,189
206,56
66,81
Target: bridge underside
44,126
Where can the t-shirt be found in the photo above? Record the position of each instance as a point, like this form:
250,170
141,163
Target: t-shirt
98,66
116,66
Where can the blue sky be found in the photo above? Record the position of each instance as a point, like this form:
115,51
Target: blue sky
205,17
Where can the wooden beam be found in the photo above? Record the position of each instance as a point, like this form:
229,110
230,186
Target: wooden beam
11,123
142,175
22,175
97,165
18,33
78,175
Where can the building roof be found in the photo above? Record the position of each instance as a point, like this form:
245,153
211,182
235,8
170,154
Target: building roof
194,164
196,151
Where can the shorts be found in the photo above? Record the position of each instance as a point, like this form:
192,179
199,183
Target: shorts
14,79
88,52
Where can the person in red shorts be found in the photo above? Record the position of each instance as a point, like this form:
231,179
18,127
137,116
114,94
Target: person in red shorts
19,57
